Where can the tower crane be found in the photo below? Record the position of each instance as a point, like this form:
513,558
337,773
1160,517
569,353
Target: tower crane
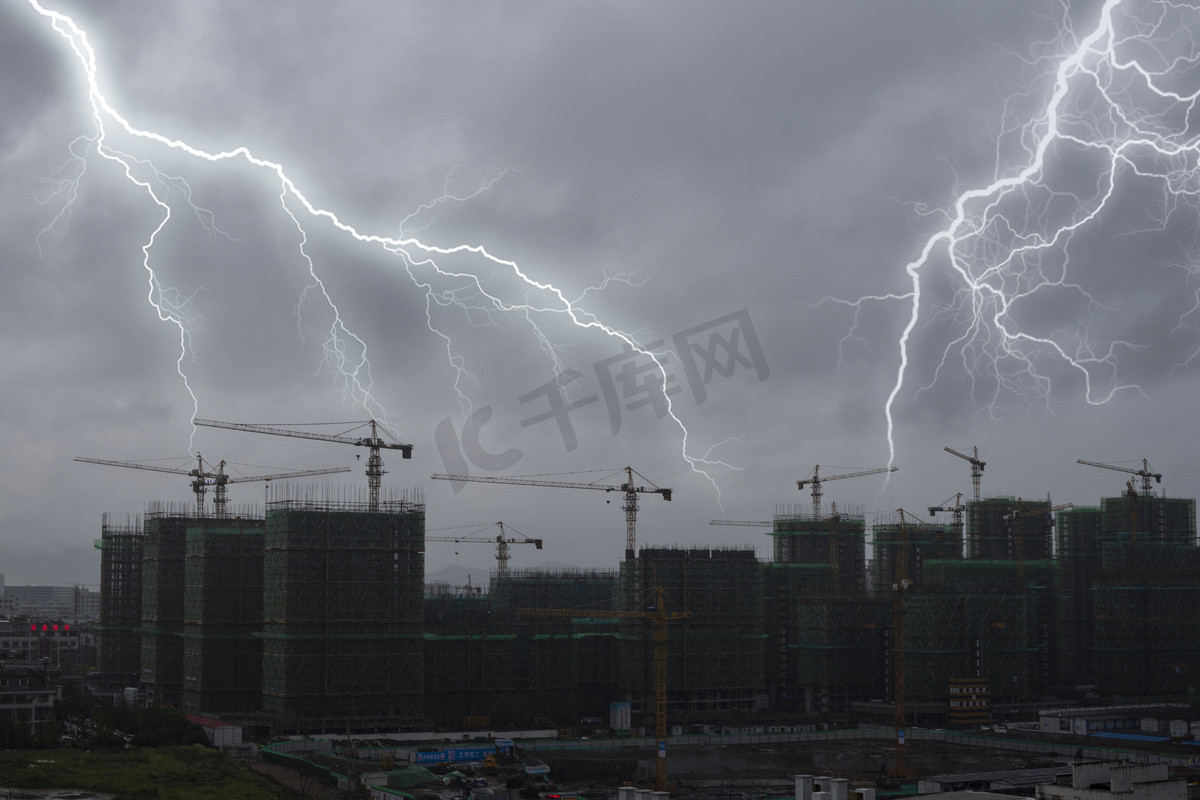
1016,525
1144,473
502,541
375,469
660,616
976,468
956,509
630,489
742,523
815,478
203,478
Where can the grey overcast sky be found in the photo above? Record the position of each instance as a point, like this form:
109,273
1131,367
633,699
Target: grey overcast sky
510,194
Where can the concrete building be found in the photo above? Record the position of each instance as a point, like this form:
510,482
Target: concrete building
43,602
28,694
31,642
1115,780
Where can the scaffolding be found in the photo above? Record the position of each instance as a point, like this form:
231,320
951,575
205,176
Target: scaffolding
990,536
566,588
483,659
994,620
1168,520
925,542
838,540
785,587
980,630
162,601
1078,538
223,613
715,658
1147,640
120,545
1141,537
841,653
565,666
343,608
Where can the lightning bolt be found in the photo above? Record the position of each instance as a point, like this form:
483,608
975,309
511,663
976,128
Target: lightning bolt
1115,119
345,353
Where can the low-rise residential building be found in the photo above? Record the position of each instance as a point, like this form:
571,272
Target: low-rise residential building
29,693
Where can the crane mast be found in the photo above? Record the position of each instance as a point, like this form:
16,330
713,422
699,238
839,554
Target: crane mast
660,616
976,468
374,443
629,488
815,478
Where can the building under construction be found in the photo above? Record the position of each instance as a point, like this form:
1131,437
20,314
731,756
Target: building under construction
983,625
923,543
223,615
1009,529
841,652
162,602
120,544
1077,551
486,660
825,644
316,618
343,613
714,657
1146,598
833,547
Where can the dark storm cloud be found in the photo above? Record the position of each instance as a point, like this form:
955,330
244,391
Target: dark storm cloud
727,158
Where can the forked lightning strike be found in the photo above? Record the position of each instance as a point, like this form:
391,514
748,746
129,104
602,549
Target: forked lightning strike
1115,105
345,353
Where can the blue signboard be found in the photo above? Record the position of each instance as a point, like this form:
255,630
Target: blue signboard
455,754
429,758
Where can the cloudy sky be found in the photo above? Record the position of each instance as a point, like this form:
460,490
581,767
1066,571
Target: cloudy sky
473,221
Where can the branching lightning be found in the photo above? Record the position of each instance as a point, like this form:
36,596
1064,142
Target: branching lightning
345,353
1115,120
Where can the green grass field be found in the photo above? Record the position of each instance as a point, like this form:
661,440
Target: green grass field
183,773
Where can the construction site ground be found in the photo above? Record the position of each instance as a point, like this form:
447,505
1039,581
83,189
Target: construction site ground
860,761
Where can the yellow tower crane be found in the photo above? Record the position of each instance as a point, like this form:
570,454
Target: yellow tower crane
1016,525
630,489
660,616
